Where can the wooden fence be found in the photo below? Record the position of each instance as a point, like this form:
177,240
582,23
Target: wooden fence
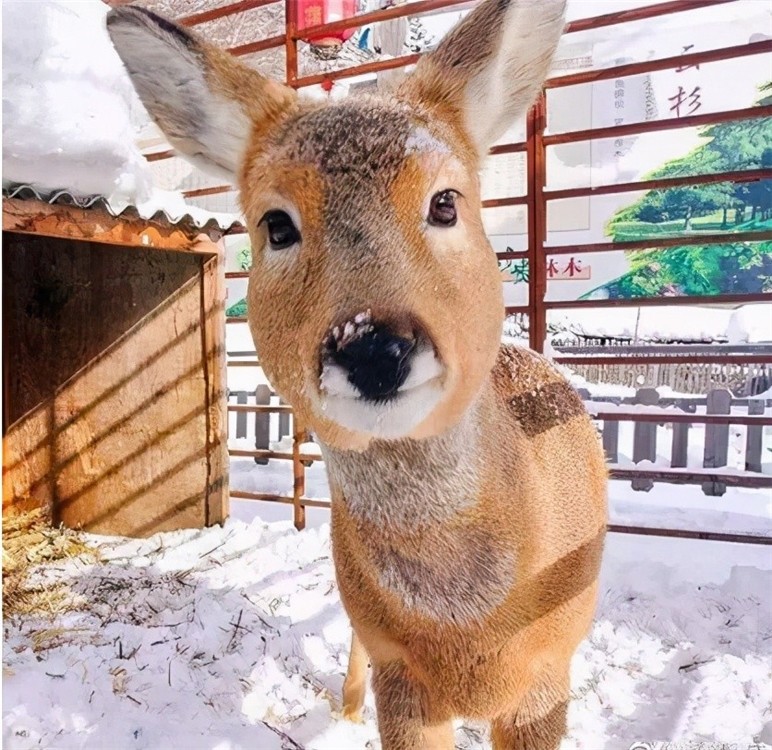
716,412
743,370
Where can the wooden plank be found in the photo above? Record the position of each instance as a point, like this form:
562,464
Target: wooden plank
298,480
645,438
716,440
656,243
715,536
666,359
109,421
663,348
753,438
241,417
222,11
262,420
653,126
673,417
213,190
272,498
97,225
213,296
640,13
679,456
306,458
357,70
285,419
260,46
611,441
684,299
685,476
261,408
536,174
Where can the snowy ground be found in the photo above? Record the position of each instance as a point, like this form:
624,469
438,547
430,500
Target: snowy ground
235,638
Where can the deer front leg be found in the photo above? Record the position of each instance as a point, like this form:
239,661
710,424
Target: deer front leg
355,682
405,721
539,722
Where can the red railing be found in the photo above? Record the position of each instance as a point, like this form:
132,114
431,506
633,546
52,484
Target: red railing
538,195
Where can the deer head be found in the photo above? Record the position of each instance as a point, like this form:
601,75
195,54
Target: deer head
375,298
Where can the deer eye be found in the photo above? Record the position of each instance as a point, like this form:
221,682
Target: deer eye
282,232
442,209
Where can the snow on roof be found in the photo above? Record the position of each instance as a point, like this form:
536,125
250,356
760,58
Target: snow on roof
68,103
163,207
71,119
746,324
73,122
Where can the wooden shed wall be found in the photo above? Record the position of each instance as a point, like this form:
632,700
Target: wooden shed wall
112,385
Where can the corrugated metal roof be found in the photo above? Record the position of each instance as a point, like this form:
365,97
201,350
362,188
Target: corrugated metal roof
194,219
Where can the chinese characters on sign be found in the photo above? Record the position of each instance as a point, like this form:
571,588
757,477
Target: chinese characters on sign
515,271
684,101
619,106
572,269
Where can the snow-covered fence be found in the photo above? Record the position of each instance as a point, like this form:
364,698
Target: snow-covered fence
260,429
713,441
723,458
736,371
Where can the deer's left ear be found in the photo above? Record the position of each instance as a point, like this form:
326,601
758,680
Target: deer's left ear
488,69
207,103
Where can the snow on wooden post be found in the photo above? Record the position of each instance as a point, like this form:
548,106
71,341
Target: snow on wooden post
262,422
645,437
716,439
753,437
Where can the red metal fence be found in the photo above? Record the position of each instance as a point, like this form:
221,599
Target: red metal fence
538,196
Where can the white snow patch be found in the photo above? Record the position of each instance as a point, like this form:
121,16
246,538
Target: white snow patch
68,102
746,324
750,324
230,637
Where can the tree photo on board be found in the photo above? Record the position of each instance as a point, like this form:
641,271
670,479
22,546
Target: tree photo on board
244,260
730,207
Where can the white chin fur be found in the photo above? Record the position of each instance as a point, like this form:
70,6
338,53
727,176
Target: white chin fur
342,403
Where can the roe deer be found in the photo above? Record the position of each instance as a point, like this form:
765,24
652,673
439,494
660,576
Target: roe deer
469,486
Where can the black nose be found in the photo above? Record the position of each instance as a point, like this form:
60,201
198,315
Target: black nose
377,361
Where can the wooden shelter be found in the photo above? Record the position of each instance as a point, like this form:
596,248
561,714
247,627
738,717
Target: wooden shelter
113,366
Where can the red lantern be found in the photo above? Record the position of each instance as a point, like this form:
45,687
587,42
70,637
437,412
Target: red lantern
317,12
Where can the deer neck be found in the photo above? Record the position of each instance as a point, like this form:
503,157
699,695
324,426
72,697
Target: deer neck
409,484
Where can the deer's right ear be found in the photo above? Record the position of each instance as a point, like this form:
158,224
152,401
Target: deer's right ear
206,103
489,68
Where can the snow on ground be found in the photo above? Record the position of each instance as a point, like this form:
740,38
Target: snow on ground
235,637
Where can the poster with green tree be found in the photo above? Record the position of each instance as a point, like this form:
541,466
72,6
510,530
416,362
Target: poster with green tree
244,262
726,207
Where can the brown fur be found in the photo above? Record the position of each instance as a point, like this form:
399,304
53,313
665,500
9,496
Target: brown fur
467,549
